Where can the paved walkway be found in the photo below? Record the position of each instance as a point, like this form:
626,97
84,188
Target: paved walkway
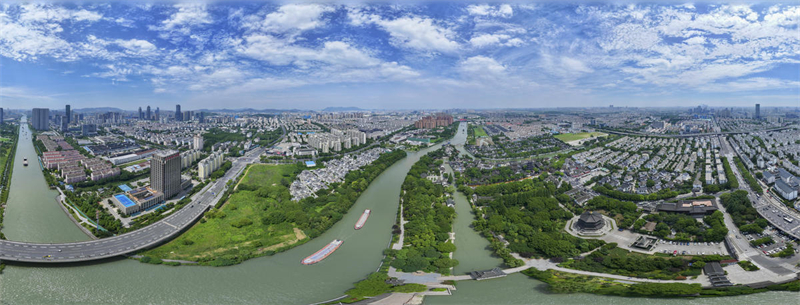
399,244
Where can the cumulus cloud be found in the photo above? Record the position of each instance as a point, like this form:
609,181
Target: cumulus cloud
414,32
290,17
503,10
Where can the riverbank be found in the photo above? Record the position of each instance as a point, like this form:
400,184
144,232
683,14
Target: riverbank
8,149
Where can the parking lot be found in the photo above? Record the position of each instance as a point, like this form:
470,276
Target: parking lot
778,237
691,248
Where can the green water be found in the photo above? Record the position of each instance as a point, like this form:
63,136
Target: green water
472,249
280,279
32,212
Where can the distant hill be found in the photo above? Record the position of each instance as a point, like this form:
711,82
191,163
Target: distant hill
99,109
342,109
248,110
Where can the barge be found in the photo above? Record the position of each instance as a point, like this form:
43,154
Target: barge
362,220
322,253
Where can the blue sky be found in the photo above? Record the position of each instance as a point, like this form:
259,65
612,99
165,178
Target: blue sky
398,56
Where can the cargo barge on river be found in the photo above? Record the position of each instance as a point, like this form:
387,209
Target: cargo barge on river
322,253
363,219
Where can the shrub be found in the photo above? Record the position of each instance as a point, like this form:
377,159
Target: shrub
242,223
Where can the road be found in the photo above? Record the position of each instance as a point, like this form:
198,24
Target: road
742,245
144,238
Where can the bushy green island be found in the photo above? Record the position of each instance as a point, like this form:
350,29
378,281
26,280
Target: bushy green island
426,246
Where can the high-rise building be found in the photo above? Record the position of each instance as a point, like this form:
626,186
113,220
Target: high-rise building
198,142
68,115
434,121
178,114
165,173
158,114
1,115
758,111
41,119
148,117
202,117
141,114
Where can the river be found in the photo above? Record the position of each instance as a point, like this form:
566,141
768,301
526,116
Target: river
33,215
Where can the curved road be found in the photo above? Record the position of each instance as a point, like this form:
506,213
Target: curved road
147,237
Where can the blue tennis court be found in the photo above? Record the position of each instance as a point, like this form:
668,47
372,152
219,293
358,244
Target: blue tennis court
124,187
124,200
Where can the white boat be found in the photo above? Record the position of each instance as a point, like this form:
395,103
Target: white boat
322,253
362,220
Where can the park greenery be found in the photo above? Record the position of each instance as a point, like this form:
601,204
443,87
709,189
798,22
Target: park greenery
429,220
613,260
686,227
526,215
257,216
609,191
441,134
8,147
519,148
217,135
744,215
748,266
563,282
624,212
476,175
766,240
376,284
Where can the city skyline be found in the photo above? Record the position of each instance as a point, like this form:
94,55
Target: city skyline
435,55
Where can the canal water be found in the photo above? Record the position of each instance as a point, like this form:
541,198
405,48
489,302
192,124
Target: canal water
33,213
279,279
472,249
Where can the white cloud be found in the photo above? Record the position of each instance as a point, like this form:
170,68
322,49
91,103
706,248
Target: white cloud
35,13
420,33
503,10
481,65
486,40
290,17
279,52
187,16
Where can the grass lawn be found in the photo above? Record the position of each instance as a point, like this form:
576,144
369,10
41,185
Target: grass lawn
569,137
133,163
479,132
236,229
